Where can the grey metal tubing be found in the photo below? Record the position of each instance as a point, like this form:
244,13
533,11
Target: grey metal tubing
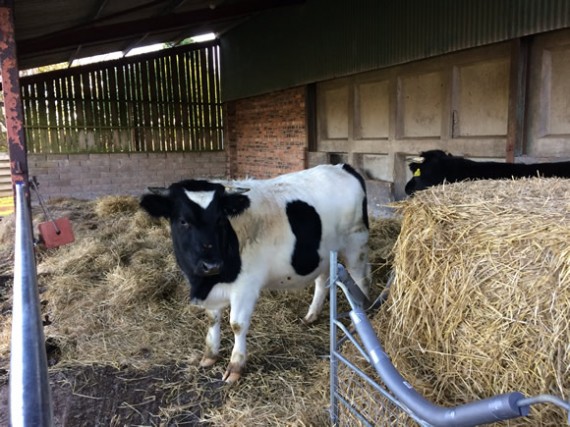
333,338
493,409
30,400
547,398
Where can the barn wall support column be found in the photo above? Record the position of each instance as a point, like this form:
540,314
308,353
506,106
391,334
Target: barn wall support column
517,96
13,109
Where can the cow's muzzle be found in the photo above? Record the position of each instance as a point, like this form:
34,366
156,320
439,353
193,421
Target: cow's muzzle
206,268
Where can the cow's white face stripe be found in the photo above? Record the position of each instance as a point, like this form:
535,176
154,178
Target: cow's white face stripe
201,198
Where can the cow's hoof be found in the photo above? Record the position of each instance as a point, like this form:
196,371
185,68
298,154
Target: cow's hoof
309,319
232,377
206,362
232,374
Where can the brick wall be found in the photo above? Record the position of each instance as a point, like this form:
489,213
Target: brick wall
267,135
92,175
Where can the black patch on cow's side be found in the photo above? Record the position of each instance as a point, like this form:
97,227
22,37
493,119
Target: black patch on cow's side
346,167
156,206
306,225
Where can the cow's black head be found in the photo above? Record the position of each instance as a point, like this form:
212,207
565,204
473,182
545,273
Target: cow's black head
428,170
204,241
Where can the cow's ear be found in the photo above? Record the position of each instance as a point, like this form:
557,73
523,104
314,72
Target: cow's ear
414,167
156,205
235,204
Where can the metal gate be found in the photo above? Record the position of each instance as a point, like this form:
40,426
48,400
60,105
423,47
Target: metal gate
367,390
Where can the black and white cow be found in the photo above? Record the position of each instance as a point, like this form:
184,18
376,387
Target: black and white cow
231,240
435,167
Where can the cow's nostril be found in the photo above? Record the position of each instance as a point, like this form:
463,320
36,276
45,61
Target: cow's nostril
209,269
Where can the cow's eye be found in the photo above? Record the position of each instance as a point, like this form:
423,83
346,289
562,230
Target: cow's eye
184,223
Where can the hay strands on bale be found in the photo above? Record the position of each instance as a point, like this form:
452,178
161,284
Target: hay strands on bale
53,232
500,407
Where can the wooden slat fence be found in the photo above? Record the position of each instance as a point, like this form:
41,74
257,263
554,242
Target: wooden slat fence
165,101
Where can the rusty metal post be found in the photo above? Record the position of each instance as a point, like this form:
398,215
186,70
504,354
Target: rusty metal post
14,111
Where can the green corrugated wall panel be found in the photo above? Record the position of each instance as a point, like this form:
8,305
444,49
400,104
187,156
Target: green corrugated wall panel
323,39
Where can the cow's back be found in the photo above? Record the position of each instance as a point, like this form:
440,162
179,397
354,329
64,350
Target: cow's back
336,194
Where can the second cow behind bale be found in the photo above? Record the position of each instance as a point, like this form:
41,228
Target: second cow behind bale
435,167
231,240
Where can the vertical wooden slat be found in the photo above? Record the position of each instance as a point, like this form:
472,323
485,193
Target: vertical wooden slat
112,108
90,110
160,104
211,99
28,118
219,106
168,92
190,93
133,81
61,115
66,112
212,67
103,106
196,99
184,119
176,103
164,103
129,103
43,117
143,90
83,94
167,99
152,105
69,139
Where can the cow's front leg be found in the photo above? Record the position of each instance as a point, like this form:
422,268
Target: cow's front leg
212,339
240,316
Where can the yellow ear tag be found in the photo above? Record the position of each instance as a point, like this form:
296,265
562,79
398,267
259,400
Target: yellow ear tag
417,172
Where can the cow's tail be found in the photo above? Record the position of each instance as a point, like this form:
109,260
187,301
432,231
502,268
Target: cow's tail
346,167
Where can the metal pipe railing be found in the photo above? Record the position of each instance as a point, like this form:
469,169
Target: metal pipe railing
30,399
496,408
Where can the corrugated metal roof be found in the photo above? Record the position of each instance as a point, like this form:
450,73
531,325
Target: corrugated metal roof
49,32
324,39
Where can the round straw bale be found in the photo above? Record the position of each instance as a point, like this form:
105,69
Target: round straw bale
481,301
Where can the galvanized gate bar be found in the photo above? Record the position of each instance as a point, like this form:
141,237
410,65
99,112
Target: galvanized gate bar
30,400
333,339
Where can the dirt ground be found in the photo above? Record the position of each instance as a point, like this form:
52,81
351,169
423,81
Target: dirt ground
105,396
